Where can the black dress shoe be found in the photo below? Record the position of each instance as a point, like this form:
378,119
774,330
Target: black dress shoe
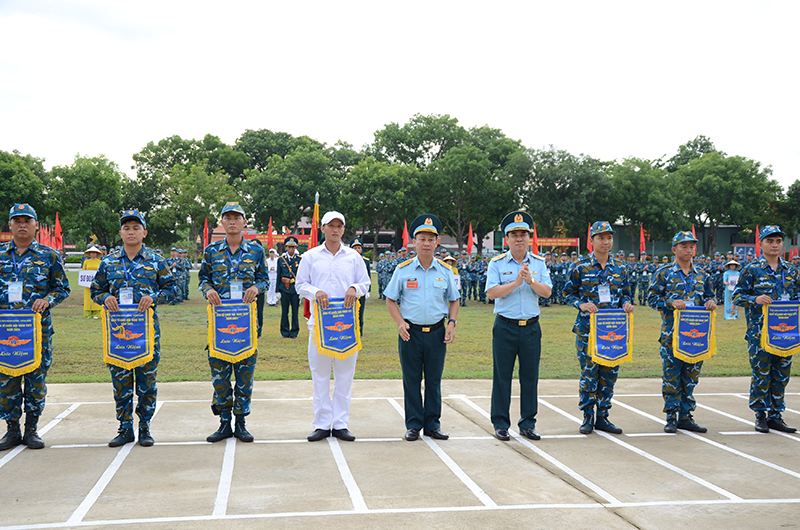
412,435
530,434
777,423
436,434
343,434
502,435
318,434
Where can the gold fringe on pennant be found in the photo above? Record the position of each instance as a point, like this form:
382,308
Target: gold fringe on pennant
37,349
712,341
766,343
317,333
593,342
212,335
149,330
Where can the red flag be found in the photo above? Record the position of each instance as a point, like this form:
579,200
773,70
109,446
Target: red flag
205,234
694,236
469,240
758,247
59,235
589,238
642,244
270,241
535,240
405,234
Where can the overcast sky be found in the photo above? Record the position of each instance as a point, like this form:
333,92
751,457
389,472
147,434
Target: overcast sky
608,79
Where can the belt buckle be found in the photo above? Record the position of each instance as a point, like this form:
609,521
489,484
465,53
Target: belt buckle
291,281
426,329
522,322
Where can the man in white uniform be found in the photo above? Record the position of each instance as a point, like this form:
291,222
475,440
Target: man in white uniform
331,270
272,270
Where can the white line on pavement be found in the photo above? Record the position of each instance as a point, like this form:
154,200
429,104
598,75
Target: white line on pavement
359,505
52,423
652,458
560,465
225,479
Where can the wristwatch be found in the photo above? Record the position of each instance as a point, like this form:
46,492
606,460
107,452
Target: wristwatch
454,321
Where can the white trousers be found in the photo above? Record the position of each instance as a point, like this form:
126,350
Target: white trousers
330,412
272,294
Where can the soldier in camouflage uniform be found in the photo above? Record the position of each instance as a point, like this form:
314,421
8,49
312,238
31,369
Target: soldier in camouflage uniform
150,280
598,281
545,302
380,267
176,266
761,282
719,287
233,260
463,272
44,286
474,272
187,275
483,265
672,288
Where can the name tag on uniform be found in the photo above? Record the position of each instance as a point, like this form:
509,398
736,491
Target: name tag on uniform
412,283
236,290
15,291
604,293
785,297
174,270
126,296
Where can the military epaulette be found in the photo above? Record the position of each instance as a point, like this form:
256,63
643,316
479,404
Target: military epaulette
452,269
406,262
501,256
537,256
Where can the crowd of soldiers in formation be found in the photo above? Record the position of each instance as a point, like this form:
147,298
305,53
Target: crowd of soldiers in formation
472,272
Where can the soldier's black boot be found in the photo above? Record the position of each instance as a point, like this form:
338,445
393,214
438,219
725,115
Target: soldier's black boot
13,437
145,438
588,422
124,436
776,422
31,437
602,423
761,422
672,423
240,431
223,432
688,424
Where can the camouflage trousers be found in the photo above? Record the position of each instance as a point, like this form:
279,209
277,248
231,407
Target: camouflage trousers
770,377
226,398
597,381
144,377
29,389
482,290
678,382
643,287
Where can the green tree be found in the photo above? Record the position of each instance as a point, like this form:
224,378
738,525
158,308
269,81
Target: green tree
378,195
285,189
571,189
643,197
87,195
263,144
689,151
20,181
715,189
420,142
785,211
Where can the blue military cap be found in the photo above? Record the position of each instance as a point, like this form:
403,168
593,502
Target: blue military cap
402,249
158,251
574,253
717,254
644,252
631,255
290,241
381,254
426,222
683,236
232,207
356,241
174,249
547,253
600,227
655,257
620,252
23,210
414,252
127,215
517,221
750,252
770,230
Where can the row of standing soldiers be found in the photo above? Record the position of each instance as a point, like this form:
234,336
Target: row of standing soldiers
181,266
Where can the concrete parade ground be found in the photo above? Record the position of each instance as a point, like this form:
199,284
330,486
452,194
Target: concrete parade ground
731,477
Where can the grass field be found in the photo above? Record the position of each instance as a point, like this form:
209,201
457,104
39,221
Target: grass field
78,355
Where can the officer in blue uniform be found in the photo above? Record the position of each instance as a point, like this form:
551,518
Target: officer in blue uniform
484,269
358,246
287,274
598,281
463,266
134,275
761,282
516,281
31,277
232,268
675,287
426,323
176,266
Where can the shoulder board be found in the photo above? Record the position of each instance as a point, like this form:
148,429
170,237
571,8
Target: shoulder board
449,267
503,255
406,262
537,256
